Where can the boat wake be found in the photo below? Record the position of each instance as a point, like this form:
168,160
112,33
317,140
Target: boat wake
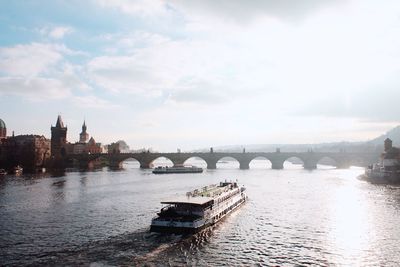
140,247
178,252
133,249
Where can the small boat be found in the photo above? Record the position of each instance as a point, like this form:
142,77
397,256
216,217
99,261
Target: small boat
177,169
199,208
3,172
18,170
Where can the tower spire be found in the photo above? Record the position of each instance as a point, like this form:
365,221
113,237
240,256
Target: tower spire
59,123
83,136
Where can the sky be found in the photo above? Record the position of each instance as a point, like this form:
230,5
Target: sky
194,74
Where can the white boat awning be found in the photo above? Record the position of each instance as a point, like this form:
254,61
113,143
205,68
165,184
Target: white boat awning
198,200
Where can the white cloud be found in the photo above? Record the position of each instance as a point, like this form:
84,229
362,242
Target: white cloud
261,75
143,8
70,75
57,32
178,68
36,89
244,11
92,101
39,71
29,60
235,10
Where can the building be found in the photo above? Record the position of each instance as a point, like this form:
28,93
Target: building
60,147
83,146
31,152
113,148
83,136
93,147
390,158
58,140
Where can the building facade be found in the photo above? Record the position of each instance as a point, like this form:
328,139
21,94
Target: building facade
31,152
390,158
113,148
58,140
85,146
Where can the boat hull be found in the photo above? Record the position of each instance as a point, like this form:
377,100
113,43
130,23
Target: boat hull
167,171
176,229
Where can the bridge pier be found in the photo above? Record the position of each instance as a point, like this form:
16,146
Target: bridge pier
277,165
83,165
115,164
211,165
310,164
244,165
343,165
145,165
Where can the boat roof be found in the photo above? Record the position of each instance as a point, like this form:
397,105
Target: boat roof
198,200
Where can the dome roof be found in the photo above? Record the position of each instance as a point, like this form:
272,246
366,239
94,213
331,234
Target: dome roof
2,124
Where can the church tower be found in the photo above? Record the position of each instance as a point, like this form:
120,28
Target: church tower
83,136
58,138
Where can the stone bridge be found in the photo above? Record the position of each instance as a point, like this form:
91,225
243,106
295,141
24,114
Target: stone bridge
309,159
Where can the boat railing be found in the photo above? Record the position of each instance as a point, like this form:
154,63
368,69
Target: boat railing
197,220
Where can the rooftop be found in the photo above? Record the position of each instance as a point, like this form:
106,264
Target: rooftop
200,196
198,200
2,124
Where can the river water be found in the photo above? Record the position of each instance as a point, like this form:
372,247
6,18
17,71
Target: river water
294,217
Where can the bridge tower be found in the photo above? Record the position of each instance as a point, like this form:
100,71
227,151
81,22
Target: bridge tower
58,139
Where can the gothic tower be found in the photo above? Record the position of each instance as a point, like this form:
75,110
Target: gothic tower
83,136
58,139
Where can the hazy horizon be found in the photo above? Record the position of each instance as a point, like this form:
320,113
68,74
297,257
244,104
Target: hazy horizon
191,75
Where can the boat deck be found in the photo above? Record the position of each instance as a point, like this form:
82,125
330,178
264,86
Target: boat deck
209,191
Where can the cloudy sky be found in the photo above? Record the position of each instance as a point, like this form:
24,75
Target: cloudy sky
192,74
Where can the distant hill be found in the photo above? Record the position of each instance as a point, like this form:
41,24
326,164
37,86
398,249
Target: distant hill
374,145
393,134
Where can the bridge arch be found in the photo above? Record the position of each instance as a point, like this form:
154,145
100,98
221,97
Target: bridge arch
260,162
196,161
92,162
356,161
293,162
327,162
227,162
130,163
162,161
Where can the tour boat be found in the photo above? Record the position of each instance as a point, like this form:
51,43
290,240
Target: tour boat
177,169
199,208
3,172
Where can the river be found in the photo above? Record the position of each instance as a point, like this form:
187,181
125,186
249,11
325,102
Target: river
294,217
